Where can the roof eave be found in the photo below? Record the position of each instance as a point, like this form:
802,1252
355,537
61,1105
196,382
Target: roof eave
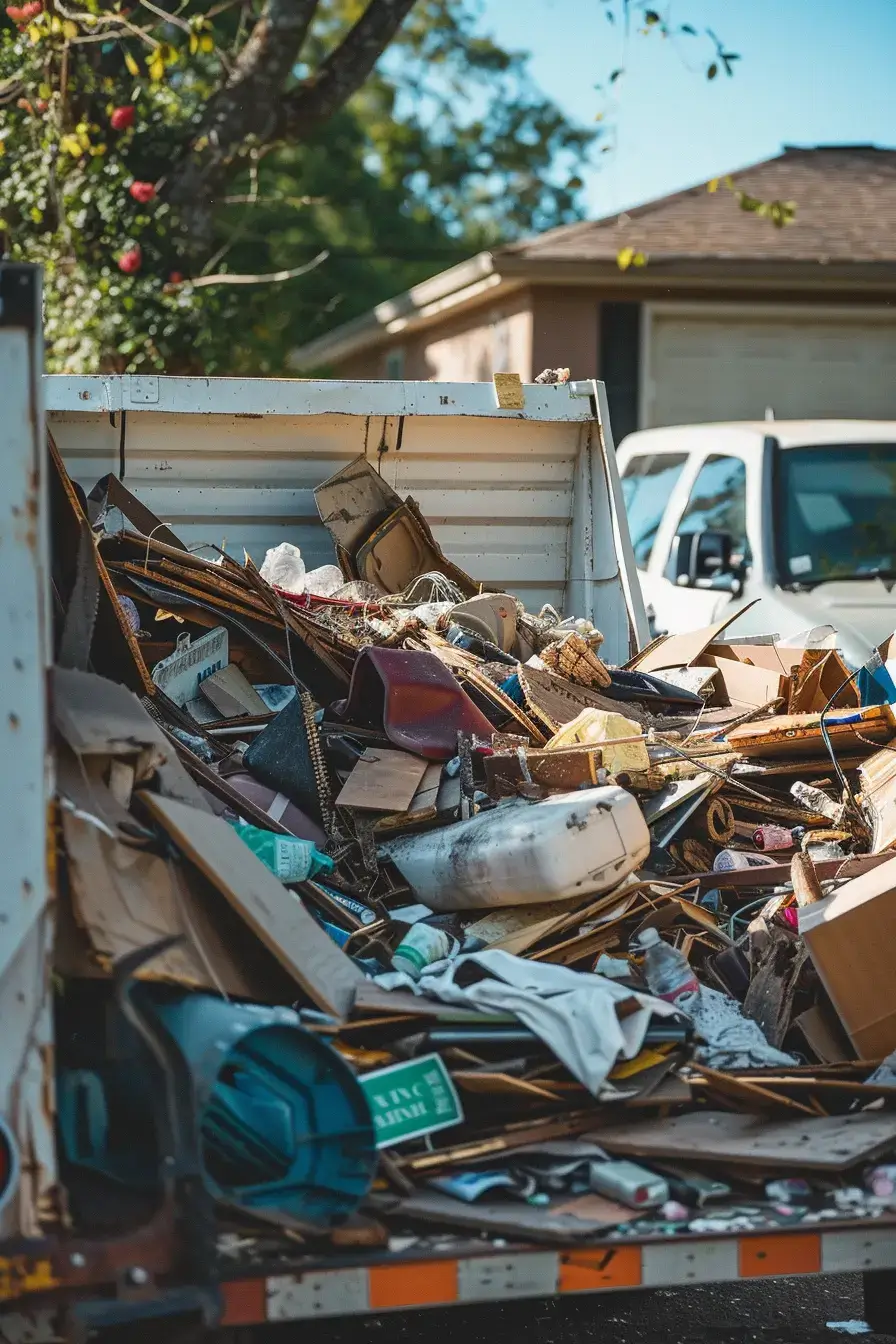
488,275
449,289
691,270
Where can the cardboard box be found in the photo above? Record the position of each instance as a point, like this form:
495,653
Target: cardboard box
851,937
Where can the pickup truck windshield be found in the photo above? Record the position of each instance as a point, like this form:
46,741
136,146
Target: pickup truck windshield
835,512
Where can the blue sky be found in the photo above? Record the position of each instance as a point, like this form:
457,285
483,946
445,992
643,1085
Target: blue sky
811,72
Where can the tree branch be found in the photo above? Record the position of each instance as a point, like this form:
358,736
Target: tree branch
247,106
344,70
275,277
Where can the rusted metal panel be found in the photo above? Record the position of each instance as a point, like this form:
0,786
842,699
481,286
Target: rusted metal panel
26,1039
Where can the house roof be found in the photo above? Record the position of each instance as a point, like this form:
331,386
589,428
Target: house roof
844,228
844,197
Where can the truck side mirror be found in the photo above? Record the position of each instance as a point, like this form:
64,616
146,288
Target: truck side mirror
703,560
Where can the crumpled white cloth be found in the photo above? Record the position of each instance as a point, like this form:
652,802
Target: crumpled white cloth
732,1040
573,1012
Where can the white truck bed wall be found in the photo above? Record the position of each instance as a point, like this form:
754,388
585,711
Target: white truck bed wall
526,501
26,911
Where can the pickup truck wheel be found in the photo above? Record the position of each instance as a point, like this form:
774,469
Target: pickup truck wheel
880,1300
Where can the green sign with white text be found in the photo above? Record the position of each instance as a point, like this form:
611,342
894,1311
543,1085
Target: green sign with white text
407,1100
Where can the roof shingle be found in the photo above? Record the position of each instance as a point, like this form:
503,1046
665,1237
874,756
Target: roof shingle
845,198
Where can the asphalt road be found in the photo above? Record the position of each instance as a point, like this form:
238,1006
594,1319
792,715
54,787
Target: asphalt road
792,1311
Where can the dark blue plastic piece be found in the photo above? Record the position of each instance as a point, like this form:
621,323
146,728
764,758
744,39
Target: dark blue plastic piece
284,1126
276,1118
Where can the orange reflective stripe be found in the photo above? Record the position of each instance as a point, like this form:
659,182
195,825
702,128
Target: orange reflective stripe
418,1285
245,1302
612,1267
784,1253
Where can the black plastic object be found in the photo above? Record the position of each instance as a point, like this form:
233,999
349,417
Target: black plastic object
281,758
733,969
646,688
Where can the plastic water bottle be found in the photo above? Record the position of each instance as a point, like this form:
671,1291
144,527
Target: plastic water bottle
423,945
666,970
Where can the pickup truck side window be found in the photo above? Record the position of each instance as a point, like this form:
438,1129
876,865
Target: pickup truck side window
718,503
646,486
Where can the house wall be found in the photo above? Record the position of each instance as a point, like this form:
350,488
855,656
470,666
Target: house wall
565,330
550,326
493,337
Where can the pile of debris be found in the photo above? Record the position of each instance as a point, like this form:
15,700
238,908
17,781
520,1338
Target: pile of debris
389,913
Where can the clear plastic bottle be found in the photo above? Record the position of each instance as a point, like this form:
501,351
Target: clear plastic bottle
666,970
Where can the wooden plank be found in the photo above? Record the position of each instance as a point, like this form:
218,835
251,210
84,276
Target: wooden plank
825,1143
501,1085
275,915
745,1093
383,781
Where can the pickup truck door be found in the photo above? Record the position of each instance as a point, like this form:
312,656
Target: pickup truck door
716,501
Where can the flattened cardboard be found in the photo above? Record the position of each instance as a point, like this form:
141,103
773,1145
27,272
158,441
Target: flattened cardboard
823,1035
509,921
383,781
751,687
123,898
232,694
97,717
564,1221
682,650
851,937
275,916
353,502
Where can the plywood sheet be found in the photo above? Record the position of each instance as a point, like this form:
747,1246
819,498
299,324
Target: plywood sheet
825,1143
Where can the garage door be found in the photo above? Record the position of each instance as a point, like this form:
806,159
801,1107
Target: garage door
732,368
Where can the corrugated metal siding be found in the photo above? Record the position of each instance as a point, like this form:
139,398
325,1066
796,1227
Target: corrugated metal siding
498,493
521,499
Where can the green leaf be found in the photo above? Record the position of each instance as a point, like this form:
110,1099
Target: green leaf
712,71
615,75
687,28
651,17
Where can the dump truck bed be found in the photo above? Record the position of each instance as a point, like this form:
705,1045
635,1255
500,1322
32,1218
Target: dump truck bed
527,498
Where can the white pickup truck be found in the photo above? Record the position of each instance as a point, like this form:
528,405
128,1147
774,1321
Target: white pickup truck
801,514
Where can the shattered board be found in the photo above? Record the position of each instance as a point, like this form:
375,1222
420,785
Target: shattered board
555,702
